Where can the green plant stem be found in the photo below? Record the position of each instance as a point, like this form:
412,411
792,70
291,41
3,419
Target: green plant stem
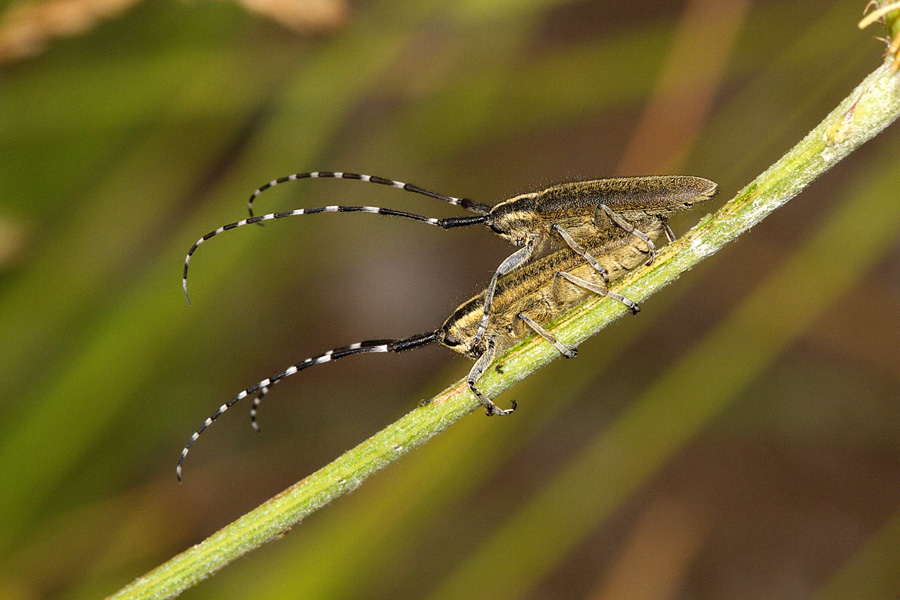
871,107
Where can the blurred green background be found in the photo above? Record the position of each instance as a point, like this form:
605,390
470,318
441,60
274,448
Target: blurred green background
737,439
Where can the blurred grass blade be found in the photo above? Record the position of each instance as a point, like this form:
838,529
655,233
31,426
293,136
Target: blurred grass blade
873,573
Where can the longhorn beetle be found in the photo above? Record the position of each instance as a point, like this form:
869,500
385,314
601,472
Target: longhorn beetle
570,214
524,301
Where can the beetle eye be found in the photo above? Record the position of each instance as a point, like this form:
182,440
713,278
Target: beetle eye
450,342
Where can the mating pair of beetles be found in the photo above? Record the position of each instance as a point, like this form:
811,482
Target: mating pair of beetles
573,240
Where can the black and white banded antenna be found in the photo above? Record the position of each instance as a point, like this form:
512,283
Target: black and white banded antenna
464,203
482,210
400,345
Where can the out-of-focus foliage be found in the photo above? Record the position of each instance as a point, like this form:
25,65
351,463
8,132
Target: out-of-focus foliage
887,14
27,28
769,376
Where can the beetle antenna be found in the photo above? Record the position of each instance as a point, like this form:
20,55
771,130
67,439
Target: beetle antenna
447,223
359,348
464,203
